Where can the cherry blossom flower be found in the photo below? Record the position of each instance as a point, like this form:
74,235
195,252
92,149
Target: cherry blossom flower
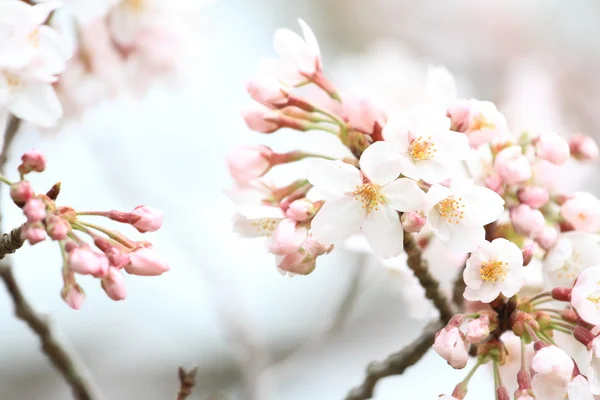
367,199
593,360
429,150
583,148
145,261
554,369
512,166
288,237
457,215
303,260
300,57
551,147
257,221
571,254
582,211
451,346
585,296
579,389
527,221
496,267
146,219
478,329
479,120
249,162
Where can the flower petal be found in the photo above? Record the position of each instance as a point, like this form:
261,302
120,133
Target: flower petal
464,239
489,204
37,103
309,37
383,231
380,163
435,194
438,225
403,195
337,220
433,172
336,177
395,132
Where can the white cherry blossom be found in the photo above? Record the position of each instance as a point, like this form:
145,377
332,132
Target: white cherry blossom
429,150
579,389
554,369
572,253
585,296
593,361
368,199
457,215
582,211
496,267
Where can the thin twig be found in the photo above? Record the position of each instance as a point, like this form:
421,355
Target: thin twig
432,287
187,380
12,128
458,289
397,363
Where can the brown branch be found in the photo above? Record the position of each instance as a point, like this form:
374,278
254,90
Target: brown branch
187,380
397,363
458,289
432,287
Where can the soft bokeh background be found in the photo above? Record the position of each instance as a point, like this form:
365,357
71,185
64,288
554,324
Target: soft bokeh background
538,60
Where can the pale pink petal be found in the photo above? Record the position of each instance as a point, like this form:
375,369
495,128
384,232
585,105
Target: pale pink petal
38,104
335,177
380,163
383,231
464,239
337,220
403,195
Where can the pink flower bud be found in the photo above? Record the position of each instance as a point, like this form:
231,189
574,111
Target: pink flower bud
583,148
114,284
261,119
502,393
146,219
547,238
73,295
551,147
512,166
582,211
478,329
450,345
287,238
34,210
527,252
57,227
527,221
413,221
362,113
459,113
301,210
553,363
146,262
534,196
494,182
523,395
268,92
116,257
303,261
21,192
246,163
33,233
33,160
87,262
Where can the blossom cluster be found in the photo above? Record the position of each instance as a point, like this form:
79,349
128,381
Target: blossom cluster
59,58
448,170
67,226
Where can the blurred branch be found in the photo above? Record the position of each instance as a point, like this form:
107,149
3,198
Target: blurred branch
397,363
56,353
458,289
187,380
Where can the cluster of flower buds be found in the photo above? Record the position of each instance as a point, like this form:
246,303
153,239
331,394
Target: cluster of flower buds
452,172
63,224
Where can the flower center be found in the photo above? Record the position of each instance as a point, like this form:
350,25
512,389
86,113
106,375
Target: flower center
265,226
422,148
571,267
481,122
34,37
368,195
595,298
135,5
12,80
452,209
493,271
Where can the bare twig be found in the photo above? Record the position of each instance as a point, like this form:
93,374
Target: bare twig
187,380
427,280
395,364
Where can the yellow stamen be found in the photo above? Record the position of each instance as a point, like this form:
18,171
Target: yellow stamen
265,226
34,37
493,271
452,209
481,122
368,195
422,148
135,5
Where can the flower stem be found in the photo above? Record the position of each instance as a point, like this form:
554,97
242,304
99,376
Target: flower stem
480,362
546,338
496,378
540,301
5,180
111,234
540,296
548,310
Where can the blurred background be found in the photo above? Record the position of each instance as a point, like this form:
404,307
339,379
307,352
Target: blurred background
253,333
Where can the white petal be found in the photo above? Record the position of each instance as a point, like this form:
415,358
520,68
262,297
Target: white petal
438,225
454,145
380,163
333,176
408,167
37,103
403,195
435,194
292,48
310,38
489,204
464,239
383,231
337,220
472,272
433,172
395,132
513,282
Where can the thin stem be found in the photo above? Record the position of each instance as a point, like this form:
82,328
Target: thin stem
562,327
316,127
546,338
539,296
95,213
541,301
480,362
5,180
496,378
548,310
113,235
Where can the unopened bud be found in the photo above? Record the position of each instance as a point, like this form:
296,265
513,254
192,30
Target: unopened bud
21,192
533,196
146,262
527,252
547,237
502,393
561,294
301,210
478,329
32,160
268,92
413,221
583,148
57,227
54,191
73,295
543,319
34,210
114,284
552,147
33,233
584,336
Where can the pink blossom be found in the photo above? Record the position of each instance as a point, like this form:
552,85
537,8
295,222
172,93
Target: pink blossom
261,119
33,233
268,92
583,148
512,166
547,237
450,345
582,211
494,182
32,160
146,262
534,196
57,227
73,295
527,221
21,192
246,163
303,261
301,210
84,261
35,210
114,284
146,219
551,147
479,120
478,329
413,221
363,113
288,237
